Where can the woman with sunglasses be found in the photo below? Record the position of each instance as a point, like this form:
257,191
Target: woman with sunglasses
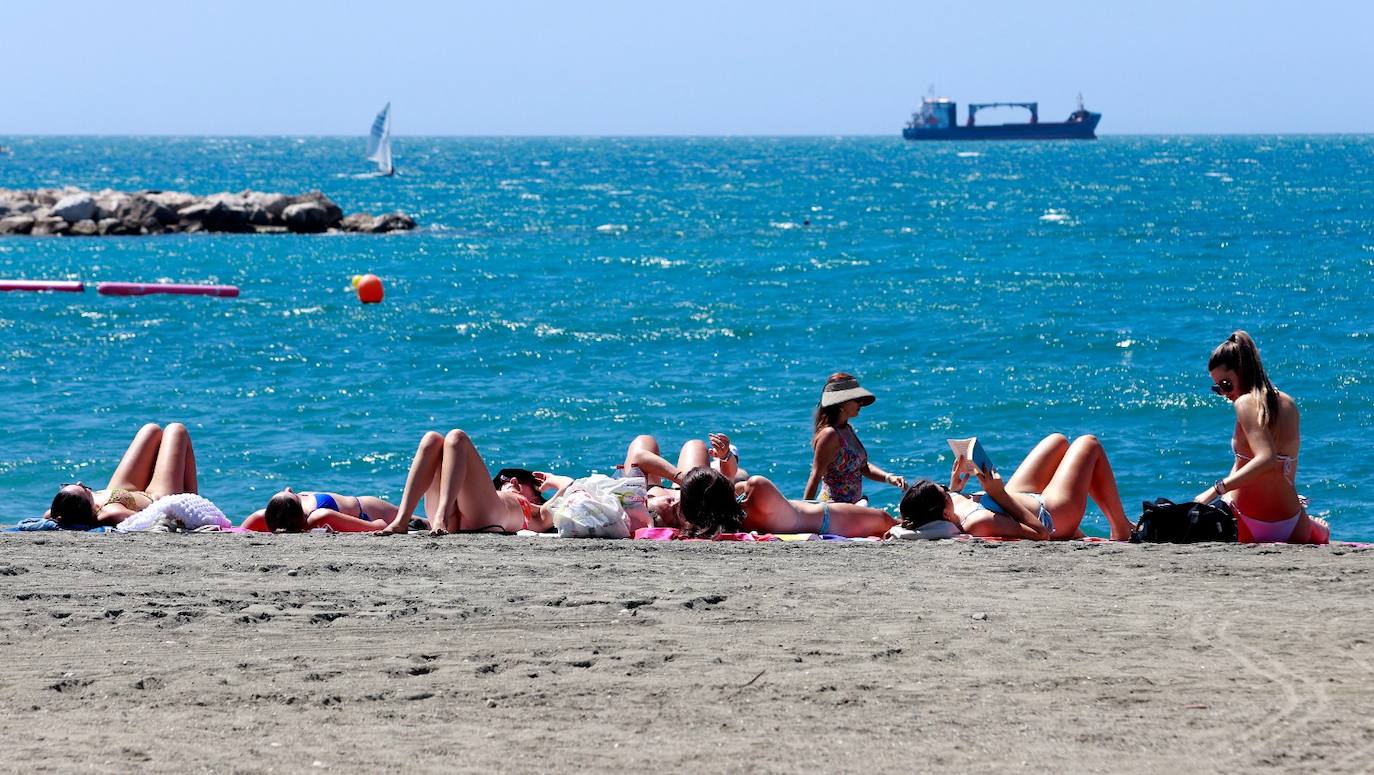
1261,486
159,462
839,461
1045,498
460,494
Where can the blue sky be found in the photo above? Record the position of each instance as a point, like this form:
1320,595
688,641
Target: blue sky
610,67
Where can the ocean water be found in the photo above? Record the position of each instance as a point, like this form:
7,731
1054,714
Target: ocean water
565,294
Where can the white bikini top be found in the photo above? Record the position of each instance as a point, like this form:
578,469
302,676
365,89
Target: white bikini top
1290,462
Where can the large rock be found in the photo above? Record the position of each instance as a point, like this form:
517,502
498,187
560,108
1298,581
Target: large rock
273,204
392,222
75,207
306,218
216,215
333,213
16,224
174,200
49,225
139,211
86,228
357,222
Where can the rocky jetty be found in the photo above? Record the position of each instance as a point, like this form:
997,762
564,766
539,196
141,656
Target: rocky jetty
74,212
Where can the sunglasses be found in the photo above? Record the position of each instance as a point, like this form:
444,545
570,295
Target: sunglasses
1223,387
82,485
520,475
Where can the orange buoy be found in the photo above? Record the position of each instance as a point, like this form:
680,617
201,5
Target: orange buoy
370,289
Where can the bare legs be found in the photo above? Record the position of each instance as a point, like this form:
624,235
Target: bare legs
451,476
175,470
158,461
1081,472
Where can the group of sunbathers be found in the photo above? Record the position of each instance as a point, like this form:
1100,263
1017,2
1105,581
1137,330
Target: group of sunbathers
705,493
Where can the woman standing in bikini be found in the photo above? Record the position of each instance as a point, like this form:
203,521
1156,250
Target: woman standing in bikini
839,462
1045,498
159,462
460,495
1261,486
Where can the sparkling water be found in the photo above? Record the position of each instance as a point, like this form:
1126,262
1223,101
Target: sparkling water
564,294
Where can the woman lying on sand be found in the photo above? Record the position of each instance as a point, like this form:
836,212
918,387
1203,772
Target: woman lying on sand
159,462
711,502
1045,498
298,512
460,495
1261,486
642,458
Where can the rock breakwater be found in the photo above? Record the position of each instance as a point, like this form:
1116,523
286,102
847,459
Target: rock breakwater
74,212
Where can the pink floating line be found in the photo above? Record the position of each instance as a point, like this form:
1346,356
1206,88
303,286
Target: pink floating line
144,289
65,286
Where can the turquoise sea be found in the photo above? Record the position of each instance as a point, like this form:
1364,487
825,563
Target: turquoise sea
565,294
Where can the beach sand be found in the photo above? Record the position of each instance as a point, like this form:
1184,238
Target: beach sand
243,653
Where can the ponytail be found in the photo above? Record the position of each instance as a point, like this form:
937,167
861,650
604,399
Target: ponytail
1239,354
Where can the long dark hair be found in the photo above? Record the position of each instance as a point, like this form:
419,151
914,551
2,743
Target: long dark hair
285,513
708,504
923,503
1239,354
72,508
828,416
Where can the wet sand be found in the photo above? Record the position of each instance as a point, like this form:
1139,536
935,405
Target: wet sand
241,653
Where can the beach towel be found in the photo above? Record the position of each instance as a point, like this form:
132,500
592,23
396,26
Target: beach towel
42,523
184,511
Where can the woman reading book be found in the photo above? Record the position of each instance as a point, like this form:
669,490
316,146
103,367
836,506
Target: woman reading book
1261,485
839,462
1045,498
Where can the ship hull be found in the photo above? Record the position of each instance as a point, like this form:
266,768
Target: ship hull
1068,130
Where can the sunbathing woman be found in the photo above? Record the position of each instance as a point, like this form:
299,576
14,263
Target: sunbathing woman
298,512
1045,498
839,462
642,458
159,462
460,495
1261,486
713,504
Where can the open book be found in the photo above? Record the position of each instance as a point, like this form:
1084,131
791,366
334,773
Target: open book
971,450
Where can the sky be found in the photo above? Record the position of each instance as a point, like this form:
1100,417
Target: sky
706,67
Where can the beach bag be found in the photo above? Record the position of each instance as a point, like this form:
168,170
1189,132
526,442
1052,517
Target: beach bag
599,507
1183,523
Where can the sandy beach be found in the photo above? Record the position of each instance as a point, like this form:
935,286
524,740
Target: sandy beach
240,653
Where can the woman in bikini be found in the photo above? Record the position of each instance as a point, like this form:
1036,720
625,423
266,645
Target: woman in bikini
1261,486
1045,498
159,462
711,501
298,512
839,462
460,494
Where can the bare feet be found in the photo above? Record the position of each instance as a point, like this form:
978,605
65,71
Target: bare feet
395,528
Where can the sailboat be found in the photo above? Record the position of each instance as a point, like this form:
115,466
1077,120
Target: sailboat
379,142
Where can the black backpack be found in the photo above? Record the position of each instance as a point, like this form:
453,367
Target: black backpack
1183,523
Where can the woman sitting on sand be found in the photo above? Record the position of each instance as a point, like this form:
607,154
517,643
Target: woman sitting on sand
460,494
1261,486
839,462
159,462
1045,498
299,512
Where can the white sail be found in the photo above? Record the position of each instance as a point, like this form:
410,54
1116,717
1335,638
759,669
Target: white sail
379,141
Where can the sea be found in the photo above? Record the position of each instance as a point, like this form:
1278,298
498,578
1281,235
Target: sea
562,295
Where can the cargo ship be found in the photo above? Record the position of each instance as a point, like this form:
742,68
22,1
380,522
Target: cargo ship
937,120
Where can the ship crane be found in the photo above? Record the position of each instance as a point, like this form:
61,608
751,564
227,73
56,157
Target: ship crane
1033,107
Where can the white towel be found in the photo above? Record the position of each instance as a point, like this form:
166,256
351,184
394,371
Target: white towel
186,510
